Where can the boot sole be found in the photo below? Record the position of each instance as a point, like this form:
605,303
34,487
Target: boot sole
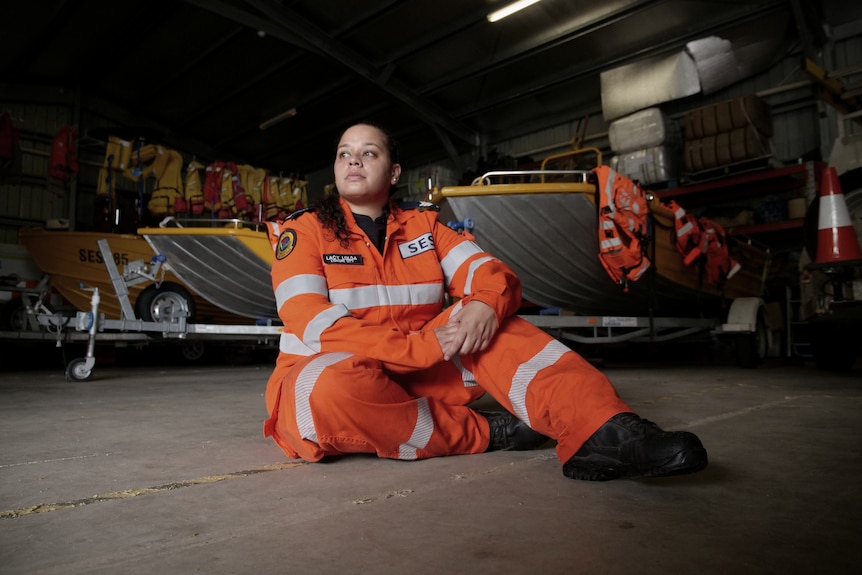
594,468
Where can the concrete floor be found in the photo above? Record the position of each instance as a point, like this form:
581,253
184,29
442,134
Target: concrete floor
163,469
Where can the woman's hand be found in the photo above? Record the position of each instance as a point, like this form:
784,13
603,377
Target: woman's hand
468,331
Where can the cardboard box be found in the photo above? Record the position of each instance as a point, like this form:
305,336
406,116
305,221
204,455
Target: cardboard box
694,125
747,143
694,155
722,149
726,116
709,152
750,110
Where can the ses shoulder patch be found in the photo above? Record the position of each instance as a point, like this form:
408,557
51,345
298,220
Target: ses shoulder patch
285,245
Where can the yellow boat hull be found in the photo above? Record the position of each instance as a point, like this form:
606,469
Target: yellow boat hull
75,265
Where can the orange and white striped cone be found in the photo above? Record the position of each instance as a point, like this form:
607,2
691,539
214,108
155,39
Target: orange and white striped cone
836,239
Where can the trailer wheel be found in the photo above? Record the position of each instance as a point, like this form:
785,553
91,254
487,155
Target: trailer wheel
751,348
77,370
13,316
193,350
164,302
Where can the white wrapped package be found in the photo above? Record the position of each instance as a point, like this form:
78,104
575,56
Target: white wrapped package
644,129
647,83
650,165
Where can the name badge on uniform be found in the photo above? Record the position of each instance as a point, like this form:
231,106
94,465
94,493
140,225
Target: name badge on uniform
346,259
416,246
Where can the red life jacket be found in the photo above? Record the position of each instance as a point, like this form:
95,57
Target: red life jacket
212,187
622,226
64,154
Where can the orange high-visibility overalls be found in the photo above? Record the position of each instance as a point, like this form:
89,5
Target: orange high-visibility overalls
360,369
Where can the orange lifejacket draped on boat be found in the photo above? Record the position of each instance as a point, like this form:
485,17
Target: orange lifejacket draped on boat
622,226
702,239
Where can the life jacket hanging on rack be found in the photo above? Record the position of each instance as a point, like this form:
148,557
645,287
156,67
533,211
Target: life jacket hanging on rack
64,154
623,226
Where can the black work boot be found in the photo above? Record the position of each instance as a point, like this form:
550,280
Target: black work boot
628,446
508,433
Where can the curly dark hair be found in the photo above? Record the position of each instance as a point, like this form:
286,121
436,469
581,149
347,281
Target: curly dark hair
328,210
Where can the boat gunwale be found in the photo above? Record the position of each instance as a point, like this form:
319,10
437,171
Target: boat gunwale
202,231
171,225
483,186
513,189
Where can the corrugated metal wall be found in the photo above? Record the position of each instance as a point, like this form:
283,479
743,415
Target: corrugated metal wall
804,128
27,197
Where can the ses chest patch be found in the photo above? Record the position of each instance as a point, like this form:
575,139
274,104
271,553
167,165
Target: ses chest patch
416,246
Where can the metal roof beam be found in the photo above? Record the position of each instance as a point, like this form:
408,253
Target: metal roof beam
310,33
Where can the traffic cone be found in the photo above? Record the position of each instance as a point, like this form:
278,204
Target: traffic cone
836,238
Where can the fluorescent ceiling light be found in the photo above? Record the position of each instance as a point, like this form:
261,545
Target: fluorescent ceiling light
509,10
276,119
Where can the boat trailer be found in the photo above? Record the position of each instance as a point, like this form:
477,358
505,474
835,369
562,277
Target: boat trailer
745,321
92,326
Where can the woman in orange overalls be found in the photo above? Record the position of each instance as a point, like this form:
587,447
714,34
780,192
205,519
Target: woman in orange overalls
371,360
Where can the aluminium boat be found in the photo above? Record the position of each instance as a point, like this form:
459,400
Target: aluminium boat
74,263
544,225
227,262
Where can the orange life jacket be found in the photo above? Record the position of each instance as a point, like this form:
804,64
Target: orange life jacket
622,226
704,240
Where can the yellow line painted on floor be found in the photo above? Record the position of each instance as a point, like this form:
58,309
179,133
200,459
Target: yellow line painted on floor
129,493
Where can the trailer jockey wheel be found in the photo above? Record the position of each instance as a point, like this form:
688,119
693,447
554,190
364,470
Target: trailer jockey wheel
79,370
165,303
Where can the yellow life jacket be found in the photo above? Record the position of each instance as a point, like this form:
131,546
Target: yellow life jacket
252,180
118,152
287,195
194,193
165,166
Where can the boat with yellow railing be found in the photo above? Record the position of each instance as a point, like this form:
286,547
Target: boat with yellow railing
544,224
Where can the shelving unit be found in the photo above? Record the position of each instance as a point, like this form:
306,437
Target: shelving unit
803,178
796,181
